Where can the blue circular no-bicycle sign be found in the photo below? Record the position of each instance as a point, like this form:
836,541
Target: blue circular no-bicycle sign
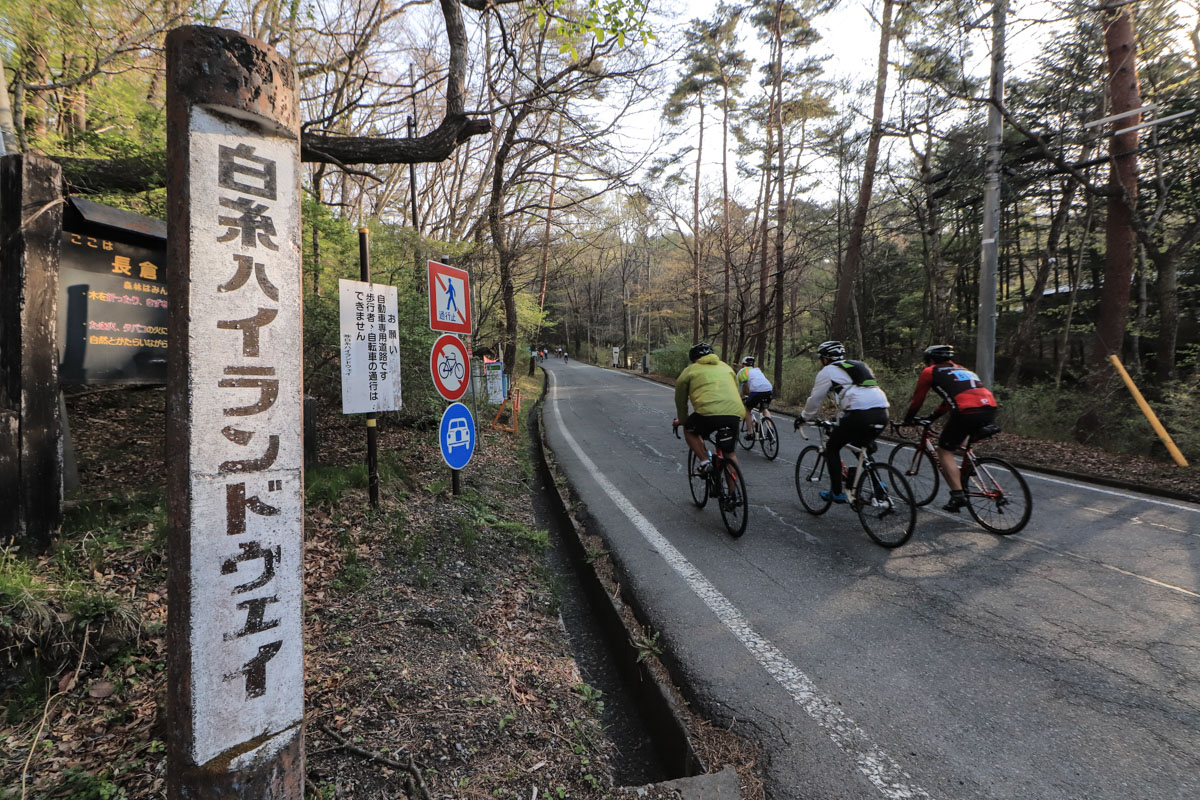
457,435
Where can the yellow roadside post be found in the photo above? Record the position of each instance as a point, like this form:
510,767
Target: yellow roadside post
1149,412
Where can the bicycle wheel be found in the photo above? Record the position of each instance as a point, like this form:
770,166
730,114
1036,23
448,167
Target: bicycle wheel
922,474
459,371
997,496
810,480
885,505
735,509
697,482
770,439
741,436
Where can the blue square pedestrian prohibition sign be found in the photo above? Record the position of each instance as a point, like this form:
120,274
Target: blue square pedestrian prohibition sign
457,435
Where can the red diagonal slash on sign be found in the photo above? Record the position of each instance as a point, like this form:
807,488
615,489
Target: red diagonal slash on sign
445,288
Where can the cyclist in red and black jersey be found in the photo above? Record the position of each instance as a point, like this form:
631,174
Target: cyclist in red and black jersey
971,405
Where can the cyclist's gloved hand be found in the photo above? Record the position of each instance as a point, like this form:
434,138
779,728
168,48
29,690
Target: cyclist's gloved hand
674,426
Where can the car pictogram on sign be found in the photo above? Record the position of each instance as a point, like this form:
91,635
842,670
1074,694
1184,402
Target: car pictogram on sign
458,434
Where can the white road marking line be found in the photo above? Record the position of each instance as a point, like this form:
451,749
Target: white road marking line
1110,492
1058,550
884,773
1098,563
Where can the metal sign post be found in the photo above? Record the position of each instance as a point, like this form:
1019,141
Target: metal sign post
364,274
450,312
235,398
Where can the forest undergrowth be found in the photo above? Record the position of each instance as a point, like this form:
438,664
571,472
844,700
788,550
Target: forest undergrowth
436,663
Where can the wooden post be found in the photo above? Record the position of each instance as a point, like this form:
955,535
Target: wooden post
235,656
312,450
30,433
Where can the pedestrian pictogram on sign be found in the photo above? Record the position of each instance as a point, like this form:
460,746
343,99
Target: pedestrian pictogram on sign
449,299
448,362
457,435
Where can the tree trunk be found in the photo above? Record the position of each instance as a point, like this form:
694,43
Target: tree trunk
725,247
505,258
696,231
781,208
760,325
853,259
1124,95
549,217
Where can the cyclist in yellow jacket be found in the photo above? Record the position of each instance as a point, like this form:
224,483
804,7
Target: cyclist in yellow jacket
711,386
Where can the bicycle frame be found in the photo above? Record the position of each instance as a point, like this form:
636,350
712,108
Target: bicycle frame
927,439
996,494
862,460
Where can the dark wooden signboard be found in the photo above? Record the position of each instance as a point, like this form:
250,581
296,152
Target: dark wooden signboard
112,304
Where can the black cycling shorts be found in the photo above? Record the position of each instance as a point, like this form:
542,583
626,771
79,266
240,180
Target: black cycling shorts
758,400
703,426
963,424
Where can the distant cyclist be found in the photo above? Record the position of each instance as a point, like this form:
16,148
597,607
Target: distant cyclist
757,392
710,385
862,408
971,405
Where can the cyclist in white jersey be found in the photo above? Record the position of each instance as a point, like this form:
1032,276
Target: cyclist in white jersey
756,390
862,408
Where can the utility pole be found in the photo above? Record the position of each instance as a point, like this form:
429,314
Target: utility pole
985,343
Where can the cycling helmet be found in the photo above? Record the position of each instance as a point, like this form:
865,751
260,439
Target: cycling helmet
748,361
699,351
832,350
938,353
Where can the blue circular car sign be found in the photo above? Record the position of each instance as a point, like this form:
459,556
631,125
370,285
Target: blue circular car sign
457,435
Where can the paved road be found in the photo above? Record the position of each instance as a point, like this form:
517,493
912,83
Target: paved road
1063,662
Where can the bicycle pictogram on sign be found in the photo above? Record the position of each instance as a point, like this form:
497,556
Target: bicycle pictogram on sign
448,362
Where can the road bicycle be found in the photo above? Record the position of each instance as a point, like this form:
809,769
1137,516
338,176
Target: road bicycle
878,492
722,482
997,495
762,430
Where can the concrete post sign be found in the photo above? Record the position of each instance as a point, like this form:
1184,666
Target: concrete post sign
236,659
370,345
448,362
457,435
449,299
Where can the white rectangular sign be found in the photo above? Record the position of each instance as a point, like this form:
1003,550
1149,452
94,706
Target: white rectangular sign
370,345
494,380
245,392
